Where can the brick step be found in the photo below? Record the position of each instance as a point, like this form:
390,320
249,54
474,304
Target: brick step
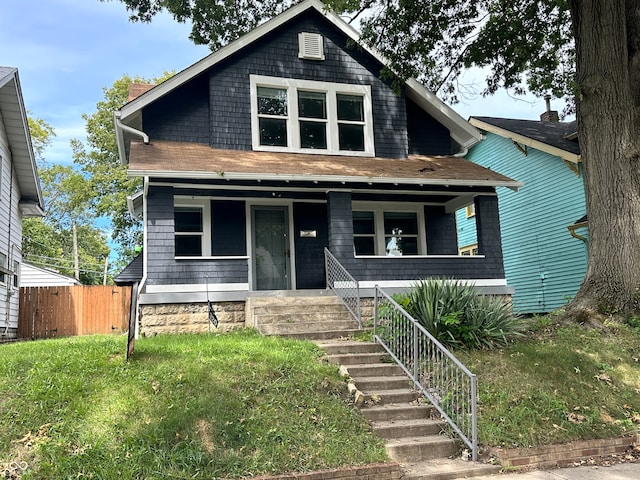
392,382
340,347
382,413
447,469
386,397
374,369
408,428
411,449
289,328
347,359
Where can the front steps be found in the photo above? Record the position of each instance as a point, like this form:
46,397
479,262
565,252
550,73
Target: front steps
413,433
320,317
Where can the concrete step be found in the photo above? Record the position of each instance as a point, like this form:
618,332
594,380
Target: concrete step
320,336
387,397
309,316
287,328
393,382
408,428
383,413
287,308
410,449
340,347
447,469
347,359
302,300
375,369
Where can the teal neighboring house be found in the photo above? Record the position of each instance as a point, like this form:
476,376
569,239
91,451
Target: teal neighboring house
544,225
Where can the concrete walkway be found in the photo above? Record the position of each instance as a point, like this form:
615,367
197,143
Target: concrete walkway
619,471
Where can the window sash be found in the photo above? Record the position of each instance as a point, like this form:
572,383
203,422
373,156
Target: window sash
347,133
192,238
386,241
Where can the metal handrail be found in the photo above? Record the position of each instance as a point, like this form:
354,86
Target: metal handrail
435,371
343,285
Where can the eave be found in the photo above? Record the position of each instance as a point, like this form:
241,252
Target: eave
523,140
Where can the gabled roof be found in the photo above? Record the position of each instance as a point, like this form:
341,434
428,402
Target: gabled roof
460,130
33,276
14,116
200,161
555,138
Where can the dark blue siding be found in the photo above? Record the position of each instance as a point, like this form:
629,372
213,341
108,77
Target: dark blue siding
340,225
228,228
488,227
182,115
163,268
442,234
310,251
426,135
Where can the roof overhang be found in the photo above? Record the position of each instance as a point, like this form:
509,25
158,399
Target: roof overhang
523,140
461,131
14,116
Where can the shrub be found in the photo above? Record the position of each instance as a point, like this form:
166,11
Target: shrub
456,315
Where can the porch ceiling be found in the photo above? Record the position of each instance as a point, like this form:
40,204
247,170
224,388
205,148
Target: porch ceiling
162,159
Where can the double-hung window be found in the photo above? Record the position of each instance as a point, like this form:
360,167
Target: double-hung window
3,268
385,232
311,117
192,228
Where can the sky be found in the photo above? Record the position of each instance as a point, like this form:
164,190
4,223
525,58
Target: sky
67,51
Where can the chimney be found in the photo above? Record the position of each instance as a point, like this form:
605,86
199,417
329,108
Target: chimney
549,115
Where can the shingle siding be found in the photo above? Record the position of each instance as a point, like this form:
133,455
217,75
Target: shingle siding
226,113
310,250
426,135
441,231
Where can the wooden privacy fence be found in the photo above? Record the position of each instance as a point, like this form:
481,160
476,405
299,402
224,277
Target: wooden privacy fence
47,312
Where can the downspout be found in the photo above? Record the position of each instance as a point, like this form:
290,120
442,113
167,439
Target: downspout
120,127
143,280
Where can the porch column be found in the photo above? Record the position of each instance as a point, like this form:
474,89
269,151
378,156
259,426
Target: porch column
442,234
488,229
340,224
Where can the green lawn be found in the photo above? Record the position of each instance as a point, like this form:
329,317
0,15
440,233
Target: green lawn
238,404
558,385
184,406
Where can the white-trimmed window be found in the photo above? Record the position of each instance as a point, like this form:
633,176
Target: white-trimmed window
192,228
469,250
311,117
16,274
3,269
384,231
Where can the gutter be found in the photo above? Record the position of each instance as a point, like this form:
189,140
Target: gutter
120,129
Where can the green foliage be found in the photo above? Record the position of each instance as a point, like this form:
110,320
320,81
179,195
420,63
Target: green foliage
231,405
101,166
457,316
559,386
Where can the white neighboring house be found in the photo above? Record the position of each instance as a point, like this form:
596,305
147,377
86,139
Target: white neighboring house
20,194
32,276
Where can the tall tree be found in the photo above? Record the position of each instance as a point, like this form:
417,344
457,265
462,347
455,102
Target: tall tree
100,163
67,196
584,51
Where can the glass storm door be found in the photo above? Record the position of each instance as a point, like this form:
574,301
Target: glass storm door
270,248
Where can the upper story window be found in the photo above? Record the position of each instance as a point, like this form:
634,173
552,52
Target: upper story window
311,117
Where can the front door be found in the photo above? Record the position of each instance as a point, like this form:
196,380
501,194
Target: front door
270,254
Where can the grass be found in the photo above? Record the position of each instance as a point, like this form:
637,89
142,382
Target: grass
185,406
558,385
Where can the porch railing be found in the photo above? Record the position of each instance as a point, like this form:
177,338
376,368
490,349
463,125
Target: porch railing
343,284
439,375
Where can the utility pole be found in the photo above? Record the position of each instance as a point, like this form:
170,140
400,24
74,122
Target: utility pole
76,266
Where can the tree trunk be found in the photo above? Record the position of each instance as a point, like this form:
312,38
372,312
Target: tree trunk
608,115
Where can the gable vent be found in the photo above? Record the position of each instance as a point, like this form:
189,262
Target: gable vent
311,46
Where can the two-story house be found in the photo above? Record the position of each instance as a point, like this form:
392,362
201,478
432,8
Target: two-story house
544,230
20,194
286,142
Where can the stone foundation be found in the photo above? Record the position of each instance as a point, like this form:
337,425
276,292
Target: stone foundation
190,318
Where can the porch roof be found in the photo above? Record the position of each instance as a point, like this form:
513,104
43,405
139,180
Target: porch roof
163,159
